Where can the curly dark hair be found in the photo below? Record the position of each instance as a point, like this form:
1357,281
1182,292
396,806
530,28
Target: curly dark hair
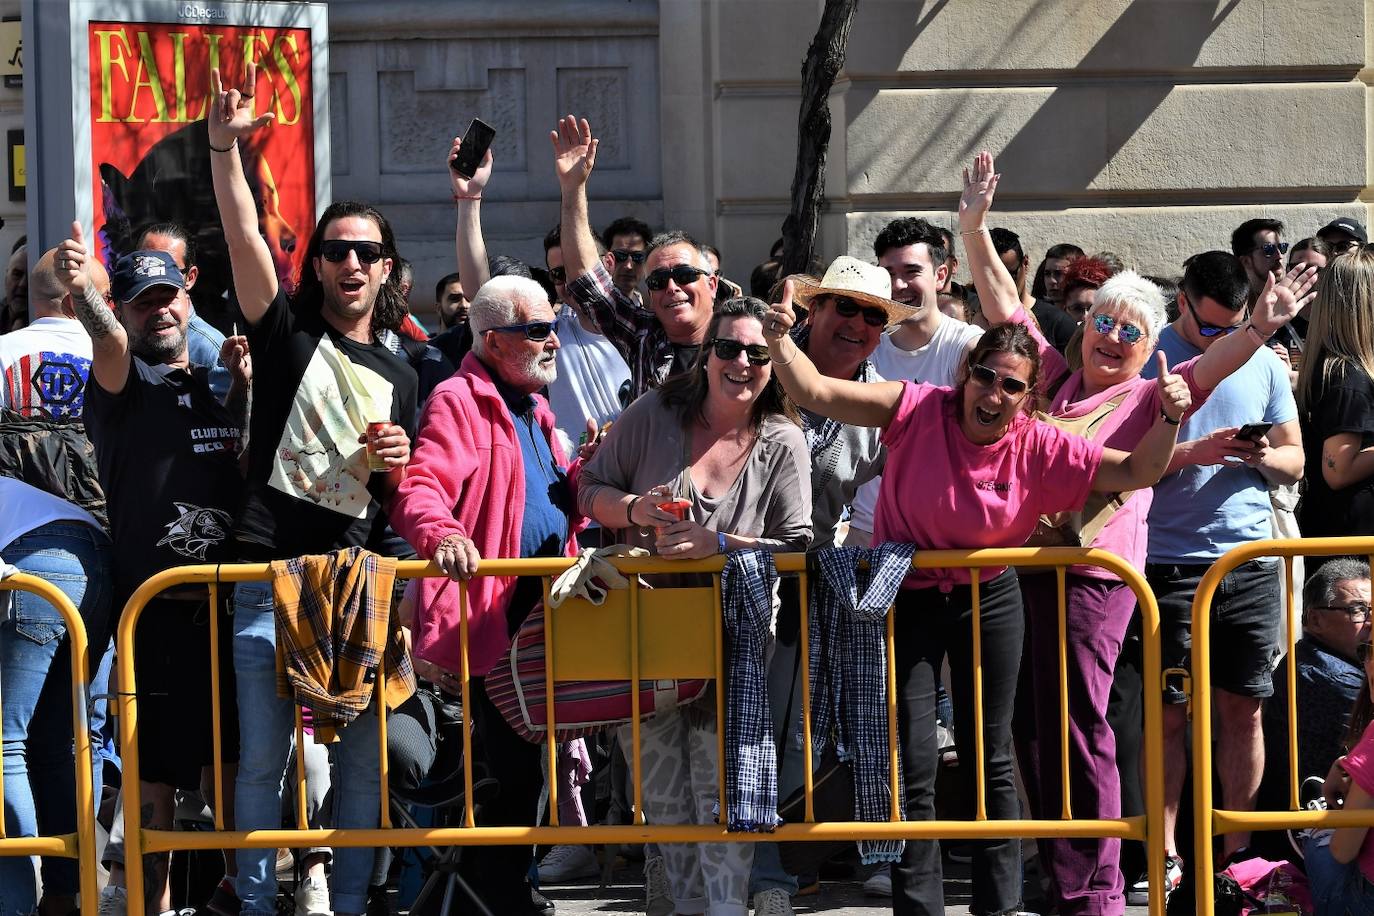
1011,338
686,391
389,309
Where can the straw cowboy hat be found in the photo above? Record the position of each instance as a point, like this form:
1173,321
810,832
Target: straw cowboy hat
866,284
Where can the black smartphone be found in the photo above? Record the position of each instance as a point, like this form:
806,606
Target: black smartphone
1253,431
476,142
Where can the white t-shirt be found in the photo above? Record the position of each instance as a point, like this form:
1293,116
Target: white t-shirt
590,375
43,366
936,363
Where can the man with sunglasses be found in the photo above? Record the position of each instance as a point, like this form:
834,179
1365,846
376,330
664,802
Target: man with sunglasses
1344,235
664,338
1260,246
1216,497
626,241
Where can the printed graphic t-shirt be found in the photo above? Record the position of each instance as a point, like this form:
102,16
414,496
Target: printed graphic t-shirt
314,392
166,450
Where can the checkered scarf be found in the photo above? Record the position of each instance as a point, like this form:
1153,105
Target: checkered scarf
751,766
849,673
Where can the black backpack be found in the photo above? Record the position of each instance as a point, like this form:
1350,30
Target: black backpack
54,455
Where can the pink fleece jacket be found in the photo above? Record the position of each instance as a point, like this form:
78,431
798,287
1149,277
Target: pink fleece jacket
466,477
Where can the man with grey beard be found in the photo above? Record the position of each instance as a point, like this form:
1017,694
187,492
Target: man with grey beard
167,458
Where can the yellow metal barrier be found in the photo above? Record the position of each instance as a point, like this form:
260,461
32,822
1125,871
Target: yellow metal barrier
80,845
1209,821
687,625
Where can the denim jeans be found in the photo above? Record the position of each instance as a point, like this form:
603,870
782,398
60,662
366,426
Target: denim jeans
1337,890
35,682
267,722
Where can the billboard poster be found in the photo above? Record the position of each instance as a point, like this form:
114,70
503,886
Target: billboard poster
147,96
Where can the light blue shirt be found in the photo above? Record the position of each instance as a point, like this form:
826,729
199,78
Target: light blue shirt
1200,512
202,348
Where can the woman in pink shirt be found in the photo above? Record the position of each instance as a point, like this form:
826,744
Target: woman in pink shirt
968,467
1108,401
1340,863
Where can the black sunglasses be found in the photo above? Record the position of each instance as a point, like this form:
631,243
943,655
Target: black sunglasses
848,308
1273,249
621,256
335,250
728,350
533,330
558,274
1212,330
989,377
682,275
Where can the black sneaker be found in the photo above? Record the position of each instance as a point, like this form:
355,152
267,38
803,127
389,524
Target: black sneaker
540,904
1173,877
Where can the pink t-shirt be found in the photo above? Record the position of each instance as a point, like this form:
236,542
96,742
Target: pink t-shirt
1359,763
1125,534
940,491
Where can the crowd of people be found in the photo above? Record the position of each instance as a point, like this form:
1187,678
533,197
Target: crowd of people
626,393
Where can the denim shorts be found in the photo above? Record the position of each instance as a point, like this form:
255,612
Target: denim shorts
1245,622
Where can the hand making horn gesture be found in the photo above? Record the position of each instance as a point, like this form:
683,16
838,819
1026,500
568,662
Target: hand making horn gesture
231,111
1174,396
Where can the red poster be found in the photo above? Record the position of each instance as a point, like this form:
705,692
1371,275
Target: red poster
150,86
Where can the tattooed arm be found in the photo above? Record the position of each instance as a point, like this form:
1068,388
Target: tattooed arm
1344,463
109,342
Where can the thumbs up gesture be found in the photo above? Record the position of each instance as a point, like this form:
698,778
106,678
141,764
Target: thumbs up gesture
1174,396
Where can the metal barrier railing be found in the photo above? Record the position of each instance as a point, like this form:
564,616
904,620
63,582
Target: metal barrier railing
79,845
703,612
1209,821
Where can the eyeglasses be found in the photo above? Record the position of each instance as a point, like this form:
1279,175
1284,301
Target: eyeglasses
621,256
1358,613
729,350
989,377
874,317
558,274
1126,332
533,330
1362,652
682,275
1212,330
1273,249
335,250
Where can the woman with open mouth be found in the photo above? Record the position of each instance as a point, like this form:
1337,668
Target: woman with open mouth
968,467
712,461
1107,401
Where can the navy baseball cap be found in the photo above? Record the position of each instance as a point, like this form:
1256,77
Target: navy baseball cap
141,270
1348,226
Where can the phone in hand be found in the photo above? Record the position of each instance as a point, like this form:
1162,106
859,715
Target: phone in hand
1253,431
476,142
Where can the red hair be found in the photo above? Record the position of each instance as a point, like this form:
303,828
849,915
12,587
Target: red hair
1086,271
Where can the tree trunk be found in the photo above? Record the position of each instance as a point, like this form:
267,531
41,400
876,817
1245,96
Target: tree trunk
824,60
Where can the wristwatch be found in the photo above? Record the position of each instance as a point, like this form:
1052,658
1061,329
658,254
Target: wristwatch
720,543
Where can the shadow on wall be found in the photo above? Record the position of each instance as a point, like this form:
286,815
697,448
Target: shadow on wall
1062,139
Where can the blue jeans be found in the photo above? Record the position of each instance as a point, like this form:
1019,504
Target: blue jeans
267,722
35,681
1337,890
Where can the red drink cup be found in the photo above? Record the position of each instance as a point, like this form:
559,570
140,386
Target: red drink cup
678,507
374,430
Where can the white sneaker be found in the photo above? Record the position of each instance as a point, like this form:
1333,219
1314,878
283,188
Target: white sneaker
879,884
564,864
114,901
773,902
312,898
657,900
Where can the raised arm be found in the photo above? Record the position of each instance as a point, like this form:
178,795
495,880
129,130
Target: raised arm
855,403
574,155
467,198
109,342
996,288
231,121
1282,299
1147,463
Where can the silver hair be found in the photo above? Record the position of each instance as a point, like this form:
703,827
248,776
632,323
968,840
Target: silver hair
1320,590
1131,292
497,304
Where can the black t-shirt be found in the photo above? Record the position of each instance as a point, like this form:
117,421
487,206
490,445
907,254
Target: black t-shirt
1344,405
166,450
314,392
1055,324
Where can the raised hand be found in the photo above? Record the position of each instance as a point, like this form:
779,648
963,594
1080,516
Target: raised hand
780,318
231,110
470,188
979,188
1283,298
1174,396
574,152
234,356
69,262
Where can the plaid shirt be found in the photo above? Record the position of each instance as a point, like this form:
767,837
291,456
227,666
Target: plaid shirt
848,664
334,621
630,327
